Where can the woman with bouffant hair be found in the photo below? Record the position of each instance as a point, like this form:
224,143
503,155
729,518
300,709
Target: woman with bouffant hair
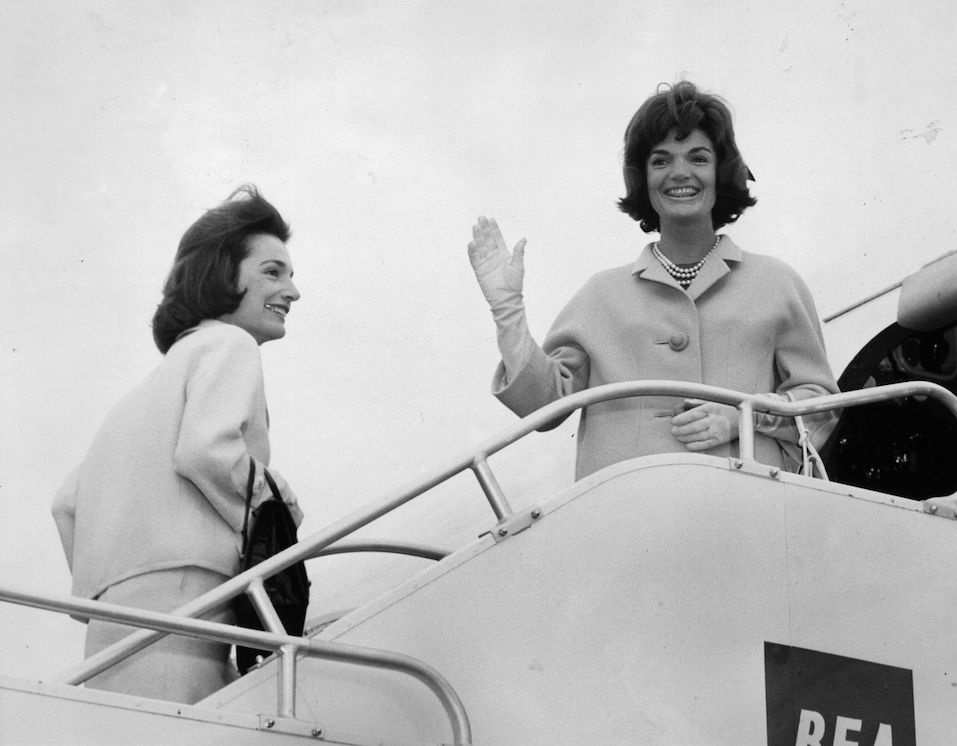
202,283
692,307
685,109
152,518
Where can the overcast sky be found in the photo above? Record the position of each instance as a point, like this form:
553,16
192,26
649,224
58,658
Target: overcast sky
381,130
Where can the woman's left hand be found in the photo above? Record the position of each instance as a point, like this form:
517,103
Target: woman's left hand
704,425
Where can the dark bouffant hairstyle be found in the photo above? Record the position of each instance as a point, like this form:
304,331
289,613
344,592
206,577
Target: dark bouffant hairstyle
202,283
684,108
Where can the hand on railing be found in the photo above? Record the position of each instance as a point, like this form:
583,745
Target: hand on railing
702,425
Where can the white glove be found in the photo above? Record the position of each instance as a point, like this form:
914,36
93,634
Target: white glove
500,274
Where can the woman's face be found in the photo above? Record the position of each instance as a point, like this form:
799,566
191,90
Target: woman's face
266,276
682,178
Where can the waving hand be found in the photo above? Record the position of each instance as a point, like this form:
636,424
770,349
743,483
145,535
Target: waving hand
500,273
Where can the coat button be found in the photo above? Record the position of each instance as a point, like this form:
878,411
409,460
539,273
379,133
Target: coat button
678,341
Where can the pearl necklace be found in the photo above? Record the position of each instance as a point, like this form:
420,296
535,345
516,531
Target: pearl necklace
684,275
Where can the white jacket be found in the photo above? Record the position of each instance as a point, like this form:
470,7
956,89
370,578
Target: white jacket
164,482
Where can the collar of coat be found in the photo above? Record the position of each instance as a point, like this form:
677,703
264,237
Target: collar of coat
646,267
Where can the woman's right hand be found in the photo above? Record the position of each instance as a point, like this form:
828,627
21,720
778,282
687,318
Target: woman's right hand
500,274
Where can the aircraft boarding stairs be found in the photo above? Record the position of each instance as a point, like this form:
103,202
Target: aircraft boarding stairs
672,599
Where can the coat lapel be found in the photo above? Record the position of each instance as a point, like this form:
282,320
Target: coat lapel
646,267
717,266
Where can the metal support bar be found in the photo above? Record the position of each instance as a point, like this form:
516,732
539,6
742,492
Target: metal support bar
490,487
286,681
746,430
265,609
862,302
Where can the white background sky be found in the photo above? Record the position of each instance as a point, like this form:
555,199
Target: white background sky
381,130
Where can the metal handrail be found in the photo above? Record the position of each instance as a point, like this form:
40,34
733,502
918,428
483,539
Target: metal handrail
476,460
843,400
281,643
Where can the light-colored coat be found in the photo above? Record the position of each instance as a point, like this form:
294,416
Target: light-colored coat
746,323
164,482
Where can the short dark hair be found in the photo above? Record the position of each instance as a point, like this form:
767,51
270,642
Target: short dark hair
684,108
203,281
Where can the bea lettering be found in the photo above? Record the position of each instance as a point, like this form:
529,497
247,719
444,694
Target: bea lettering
812,729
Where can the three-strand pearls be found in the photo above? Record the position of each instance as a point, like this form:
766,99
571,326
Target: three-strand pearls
684,275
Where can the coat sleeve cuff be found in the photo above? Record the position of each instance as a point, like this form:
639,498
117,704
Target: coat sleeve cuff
531,388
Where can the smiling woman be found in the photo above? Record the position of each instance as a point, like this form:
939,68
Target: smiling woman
265,276
153,516
692,307
681,181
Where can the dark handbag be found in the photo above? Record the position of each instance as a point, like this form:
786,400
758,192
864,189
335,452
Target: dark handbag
271,531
